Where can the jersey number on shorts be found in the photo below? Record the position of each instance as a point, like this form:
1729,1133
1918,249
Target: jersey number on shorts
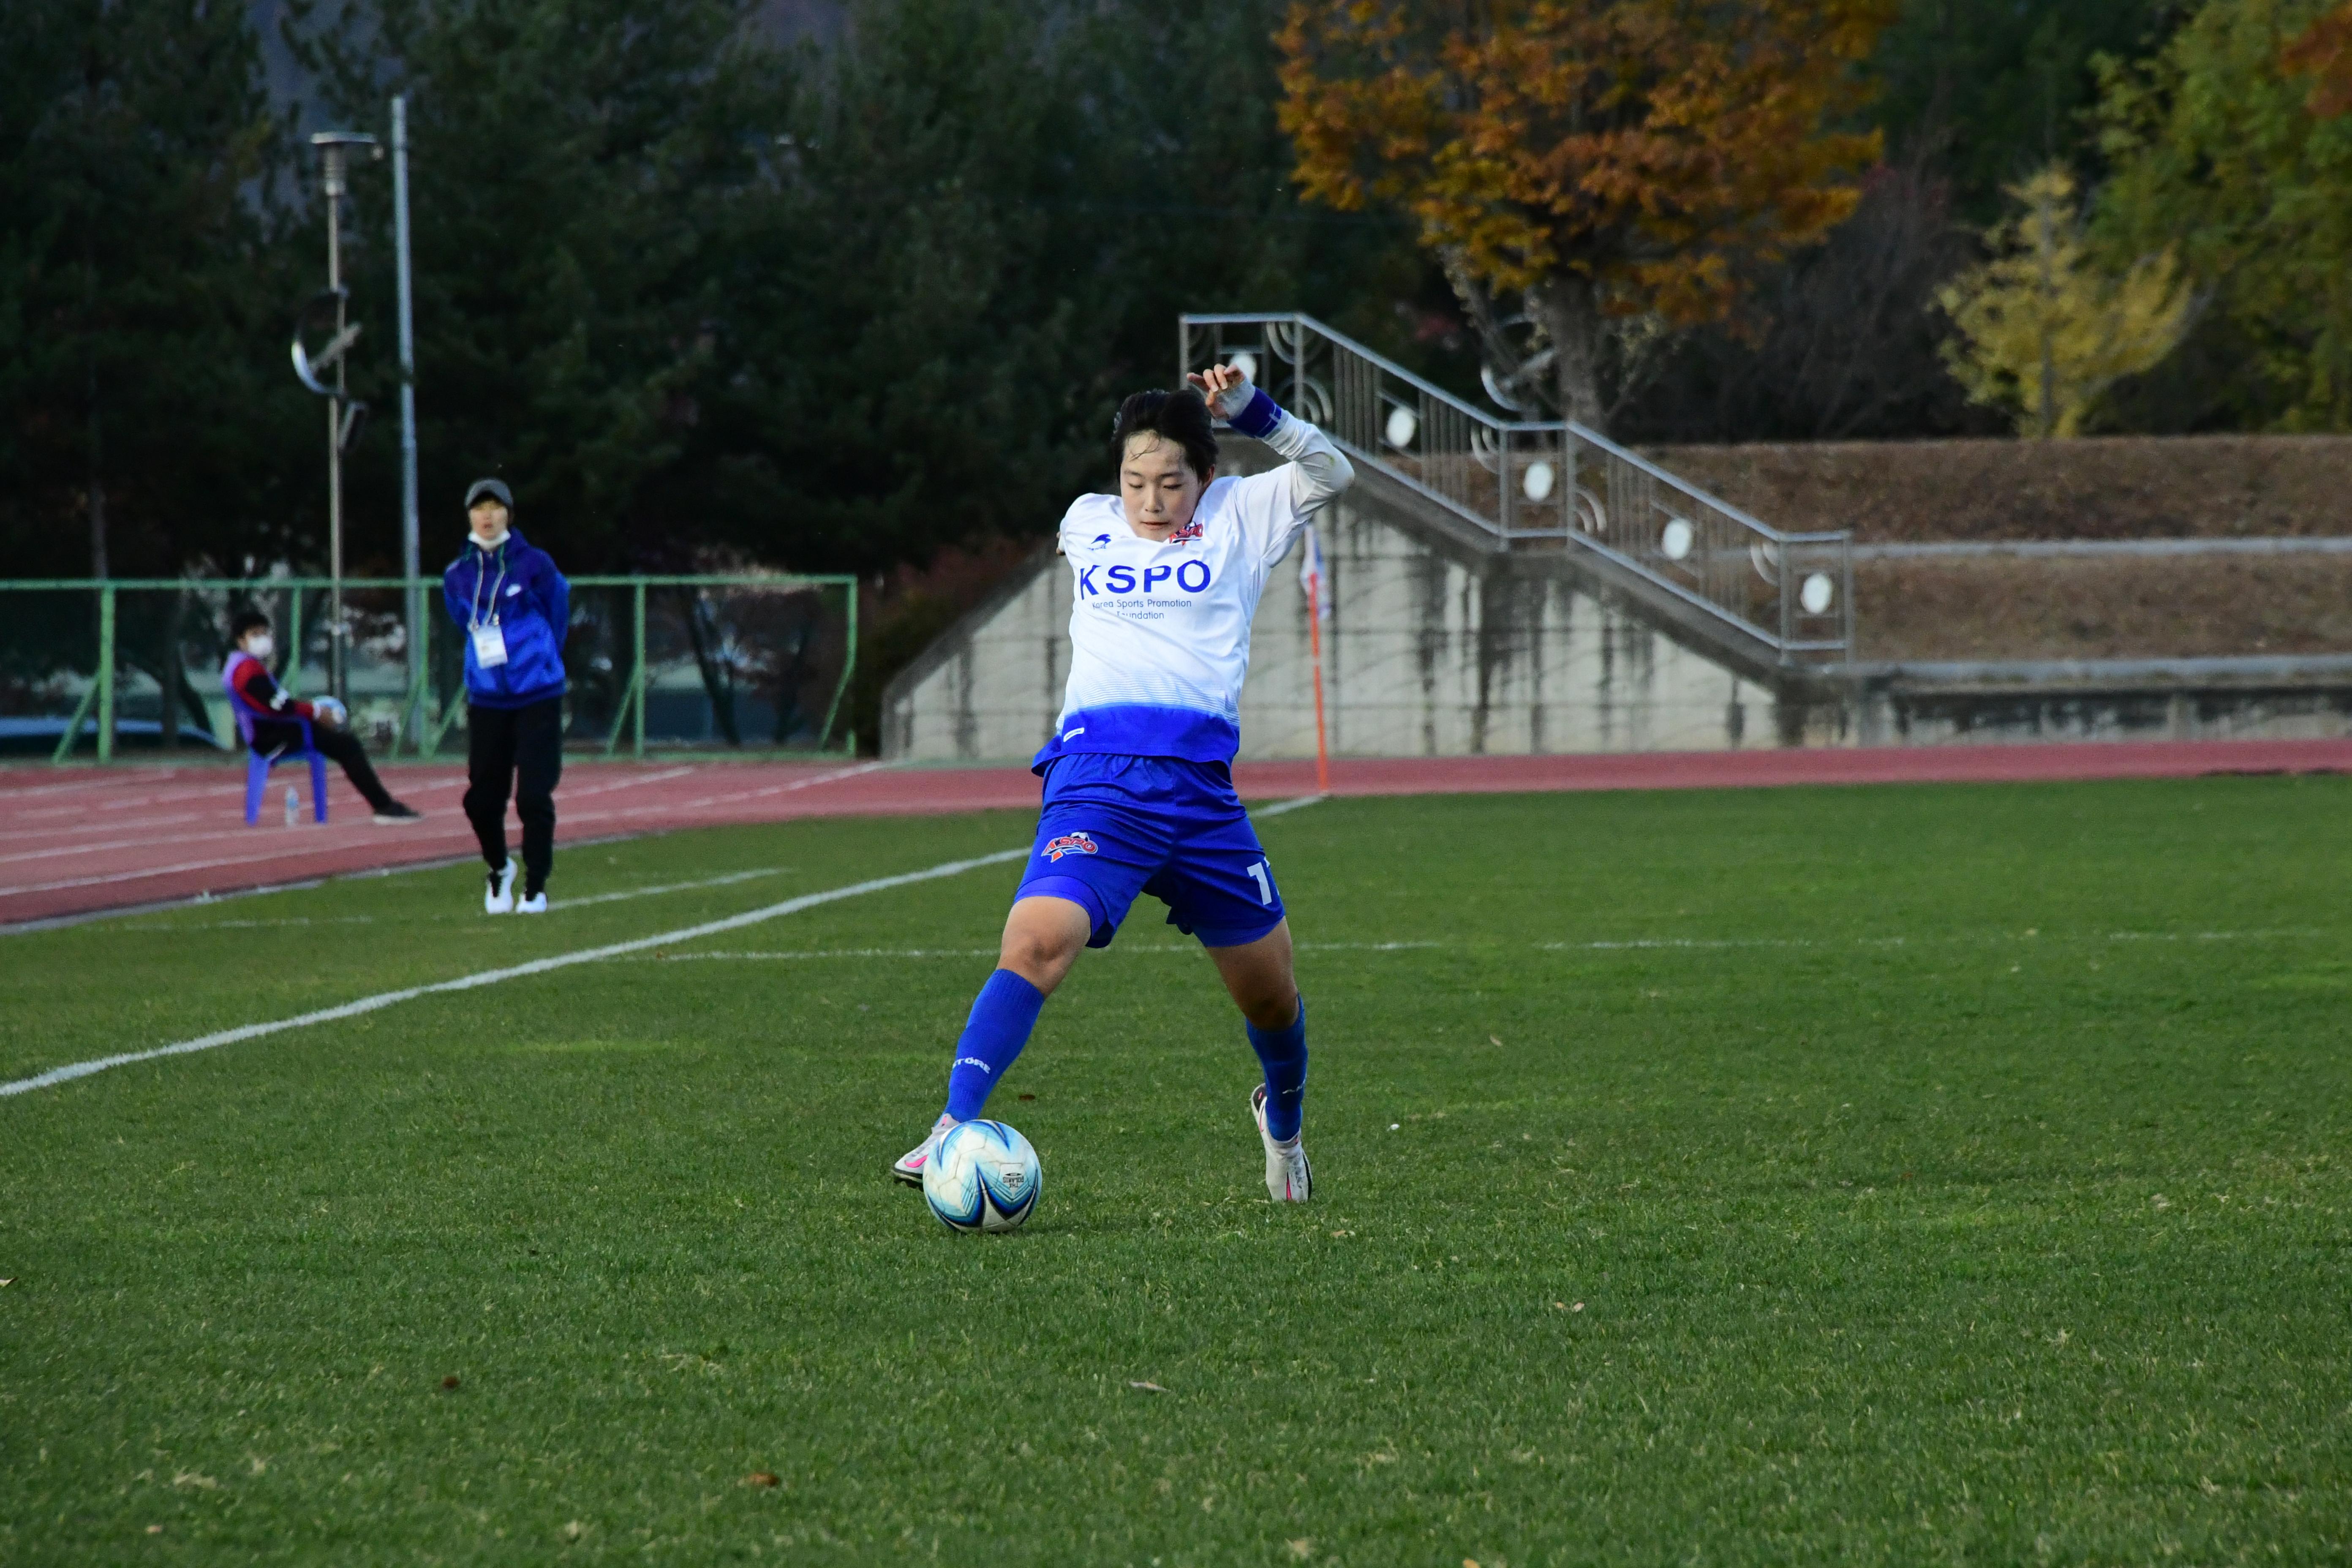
1265,883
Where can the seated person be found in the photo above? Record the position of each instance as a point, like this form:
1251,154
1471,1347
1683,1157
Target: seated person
274,710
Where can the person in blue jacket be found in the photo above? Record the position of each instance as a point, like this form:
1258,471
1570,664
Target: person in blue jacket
514,607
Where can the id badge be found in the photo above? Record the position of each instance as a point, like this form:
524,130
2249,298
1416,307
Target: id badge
489,645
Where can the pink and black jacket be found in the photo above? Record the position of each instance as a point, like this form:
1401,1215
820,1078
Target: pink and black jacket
258,690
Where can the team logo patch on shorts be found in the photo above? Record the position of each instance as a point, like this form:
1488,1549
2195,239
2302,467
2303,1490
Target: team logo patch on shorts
1068,844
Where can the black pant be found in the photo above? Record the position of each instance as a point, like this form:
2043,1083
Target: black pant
522,746
336,745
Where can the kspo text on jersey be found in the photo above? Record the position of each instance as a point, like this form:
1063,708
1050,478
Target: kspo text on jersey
1191,576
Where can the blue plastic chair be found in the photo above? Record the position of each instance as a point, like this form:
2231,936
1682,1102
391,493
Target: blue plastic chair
257,765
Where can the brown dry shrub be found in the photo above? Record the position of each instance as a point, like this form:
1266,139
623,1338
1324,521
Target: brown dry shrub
2169,606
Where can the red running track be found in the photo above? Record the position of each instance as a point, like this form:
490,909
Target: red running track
74,840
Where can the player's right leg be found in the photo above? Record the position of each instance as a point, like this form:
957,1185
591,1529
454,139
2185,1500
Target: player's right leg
1091,858
489,774
1042,938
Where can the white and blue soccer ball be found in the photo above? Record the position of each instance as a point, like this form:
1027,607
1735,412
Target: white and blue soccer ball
983,1176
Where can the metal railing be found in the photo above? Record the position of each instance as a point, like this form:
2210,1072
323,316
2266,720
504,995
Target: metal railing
1547,483
718,657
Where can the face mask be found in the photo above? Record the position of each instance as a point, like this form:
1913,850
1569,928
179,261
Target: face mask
261,646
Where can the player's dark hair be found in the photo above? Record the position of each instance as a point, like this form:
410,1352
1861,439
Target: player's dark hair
1181,416
244,621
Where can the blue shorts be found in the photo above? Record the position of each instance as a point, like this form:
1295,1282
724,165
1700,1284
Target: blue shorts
1114,826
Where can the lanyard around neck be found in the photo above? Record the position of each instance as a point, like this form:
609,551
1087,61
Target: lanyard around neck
480,572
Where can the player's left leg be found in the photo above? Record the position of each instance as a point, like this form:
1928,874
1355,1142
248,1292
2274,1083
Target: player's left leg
539,767
1259,977
1220,888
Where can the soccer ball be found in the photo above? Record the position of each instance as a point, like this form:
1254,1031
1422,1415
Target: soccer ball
983,1176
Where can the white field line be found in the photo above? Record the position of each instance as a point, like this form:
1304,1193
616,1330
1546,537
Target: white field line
234,801
107,846
118,779
146,871
630,783
257,925
762,793
240,830
221,787
554,906
1635,944
234,826
383,999
1278,807
21,835
824,953
227,895
835,777
728,881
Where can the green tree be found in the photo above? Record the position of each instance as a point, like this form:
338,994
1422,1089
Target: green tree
2215,149
826,310
959,277
2042,329
143,398
570,163
1992,90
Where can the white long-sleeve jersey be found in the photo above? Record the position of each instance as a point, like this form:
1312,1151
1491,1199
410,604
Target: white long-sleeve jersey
1159,633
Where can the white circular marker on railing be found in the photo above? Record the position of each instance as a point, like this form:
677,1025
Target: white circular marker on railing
1817,594
1537,483
1675,543
1403,426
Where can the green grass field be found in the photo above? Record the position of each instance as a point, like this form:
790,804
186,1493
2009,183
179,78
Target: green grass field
1909,1175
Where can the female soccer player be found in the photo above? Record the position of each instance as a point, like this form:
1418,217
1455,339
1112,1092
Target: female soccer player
1138,785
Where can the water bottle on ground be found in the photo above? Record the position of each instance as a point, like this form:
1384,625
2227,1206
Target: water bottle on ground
293,807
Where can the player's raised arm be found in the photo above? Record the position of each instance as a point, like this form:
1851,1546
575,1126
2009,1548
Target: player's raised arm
1319,470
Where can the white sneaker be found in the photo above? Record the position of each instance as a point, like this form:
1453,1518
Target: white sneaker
1288,1178
909,1166
499,898
531,904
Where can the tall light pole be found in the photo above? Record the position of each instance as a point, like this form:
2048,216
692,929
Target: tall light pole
410,561
335,148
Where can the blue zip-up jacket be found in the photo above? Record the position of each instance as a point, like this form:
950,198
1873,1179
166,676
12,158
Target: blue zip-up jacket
518,587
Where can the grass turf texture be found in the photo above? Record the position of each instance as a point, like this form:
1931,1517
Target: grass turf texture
1956,1178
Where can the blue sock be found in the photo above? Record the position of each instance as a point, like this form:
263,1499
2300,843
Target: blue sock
1002,1017
1284,1054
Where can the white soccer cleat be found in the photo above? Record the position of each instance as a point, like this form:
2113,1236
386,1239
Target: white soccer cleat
531,904
1289,1177
908,1167
500,898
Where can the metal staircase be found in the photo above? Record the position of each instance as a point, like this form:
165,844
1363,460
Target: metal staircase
1764,595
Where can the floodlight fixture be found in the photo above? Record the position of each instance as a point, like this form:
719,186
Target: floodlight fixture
336,149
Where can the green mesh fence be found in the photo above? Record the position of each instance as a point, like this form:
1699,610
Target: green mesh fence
131,668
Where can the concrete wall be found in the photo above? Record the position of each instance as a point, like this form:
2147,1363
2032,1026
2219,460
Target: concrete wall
1433,650
2317,707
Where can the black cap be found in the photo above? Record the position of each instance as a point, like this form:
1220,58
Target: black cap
494,489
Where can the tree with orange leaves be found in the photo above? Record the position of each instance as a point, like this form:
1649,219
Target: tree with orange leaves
1612,164
2323,51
